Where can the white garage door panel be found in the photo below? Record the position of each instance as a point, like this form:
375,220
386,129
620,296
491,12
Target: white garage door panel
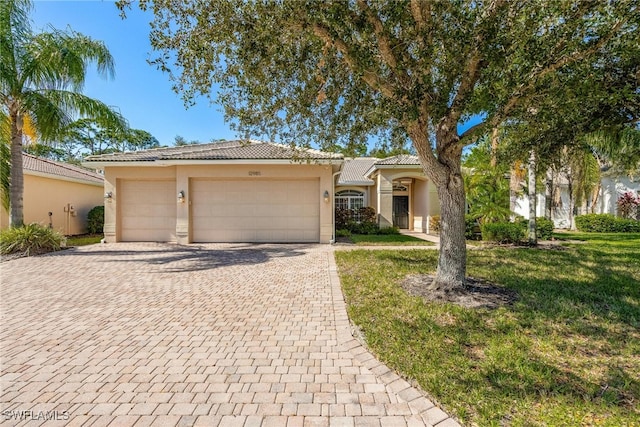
255,211
148,211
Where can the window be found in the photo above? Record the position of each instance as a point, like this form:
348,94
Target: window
350,200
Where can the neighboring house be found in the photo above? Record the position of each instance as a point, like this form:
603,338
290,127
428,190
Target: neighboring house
395,187
612,186
254,191
58,194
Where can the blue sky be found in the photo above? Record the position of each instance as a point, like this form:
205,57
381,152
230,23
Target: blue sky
142,93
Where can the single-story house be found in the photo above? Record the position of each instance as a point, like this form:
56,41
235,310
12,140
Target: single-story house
58,194
612,186
253,191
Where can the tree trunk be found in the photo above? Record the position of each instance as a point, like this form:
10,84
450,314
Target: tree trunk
533,240
452,258
548,195
494,147
444,170
16,180
596,196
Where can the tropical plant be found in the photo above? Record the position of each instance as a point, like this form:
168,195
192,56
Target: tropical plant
31,239
628,205
41,76
486,187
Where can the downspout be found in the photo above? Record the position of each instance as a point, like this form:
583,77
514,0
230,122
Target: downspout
333,206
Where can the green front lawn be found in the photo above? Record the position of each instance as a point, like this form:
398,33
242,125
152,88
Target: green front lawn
84,239
387,240
567,352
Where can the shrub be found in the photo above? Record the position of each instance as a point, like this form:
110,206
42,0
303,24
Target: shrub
503,232
606,223
343,233
367,214
389,230
544,228
472,228
365,228
95,220
628,205
434,223
32,239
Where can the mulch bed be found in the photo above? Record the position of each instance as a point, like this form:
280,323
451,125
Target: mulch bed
477,293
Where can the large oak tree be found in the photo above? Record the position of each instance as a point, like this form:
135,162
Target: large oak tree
341,71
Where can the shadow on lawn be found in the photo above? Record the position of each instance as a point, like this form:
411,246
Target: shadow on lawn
177,258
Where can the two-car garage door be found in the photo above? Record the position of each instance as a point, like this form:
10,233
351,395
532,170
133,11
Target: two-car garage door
222,210
255,210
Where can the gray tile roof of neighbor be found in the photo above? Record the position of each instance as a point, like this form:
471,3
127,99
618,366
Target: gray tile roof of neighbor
64,170
227,150
354,171
401,159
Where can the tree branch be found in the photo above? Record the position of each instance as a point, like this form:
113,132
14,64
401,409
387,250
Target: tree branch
520,93
371,78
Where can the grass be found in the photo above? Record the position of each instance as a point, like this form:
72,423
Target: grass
566,353
387,239
84,239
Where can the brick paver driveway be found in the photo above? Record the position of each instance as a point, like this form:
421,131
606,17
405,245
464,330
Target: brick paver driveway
158,334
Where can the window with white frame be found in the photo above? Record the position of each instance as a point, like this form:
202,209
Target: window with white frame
351,200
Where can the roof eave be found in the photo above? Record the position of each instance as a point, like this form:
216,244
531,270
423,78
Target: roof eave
101,164
63,178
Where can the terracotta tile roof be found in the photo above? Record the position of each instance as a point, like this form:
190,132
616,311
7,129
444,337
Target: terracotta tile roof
229,150
49,167
354,171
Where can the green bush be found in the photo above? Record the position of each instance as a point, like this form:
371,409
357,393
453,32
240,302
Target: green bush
365,228
544,227
389,230
503,232
32,239
606,223
472,228
343,233
95,220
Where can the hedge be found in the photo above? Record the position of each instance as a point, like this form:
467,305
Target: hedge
606,223
503,232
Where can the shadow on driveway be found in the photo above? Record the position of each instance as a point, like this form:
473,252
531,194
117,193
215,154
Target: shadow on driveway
180,258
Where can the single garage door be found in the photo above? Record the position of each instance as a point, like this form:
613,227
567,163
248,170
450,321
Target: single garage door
255,210
147,211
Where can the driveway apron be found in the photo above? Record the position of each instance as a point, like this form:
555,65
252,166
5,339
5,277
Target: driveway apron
219,334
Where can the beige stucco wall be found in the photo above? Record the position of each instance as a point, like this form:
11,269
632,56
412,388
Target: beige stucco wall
420,195
183,175
44,194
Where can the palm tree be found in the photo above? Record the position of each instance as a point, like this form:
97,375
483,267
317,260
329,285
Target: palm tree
41,76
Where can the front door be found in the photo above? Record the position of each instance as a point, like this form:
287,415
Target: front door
401,212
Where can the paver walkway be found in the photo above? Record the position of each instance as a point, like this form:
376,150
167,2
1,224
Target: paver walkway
157,334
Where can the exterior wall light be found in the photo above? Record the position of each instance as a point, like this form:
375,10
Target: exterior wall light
180,196
326,196
108,195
